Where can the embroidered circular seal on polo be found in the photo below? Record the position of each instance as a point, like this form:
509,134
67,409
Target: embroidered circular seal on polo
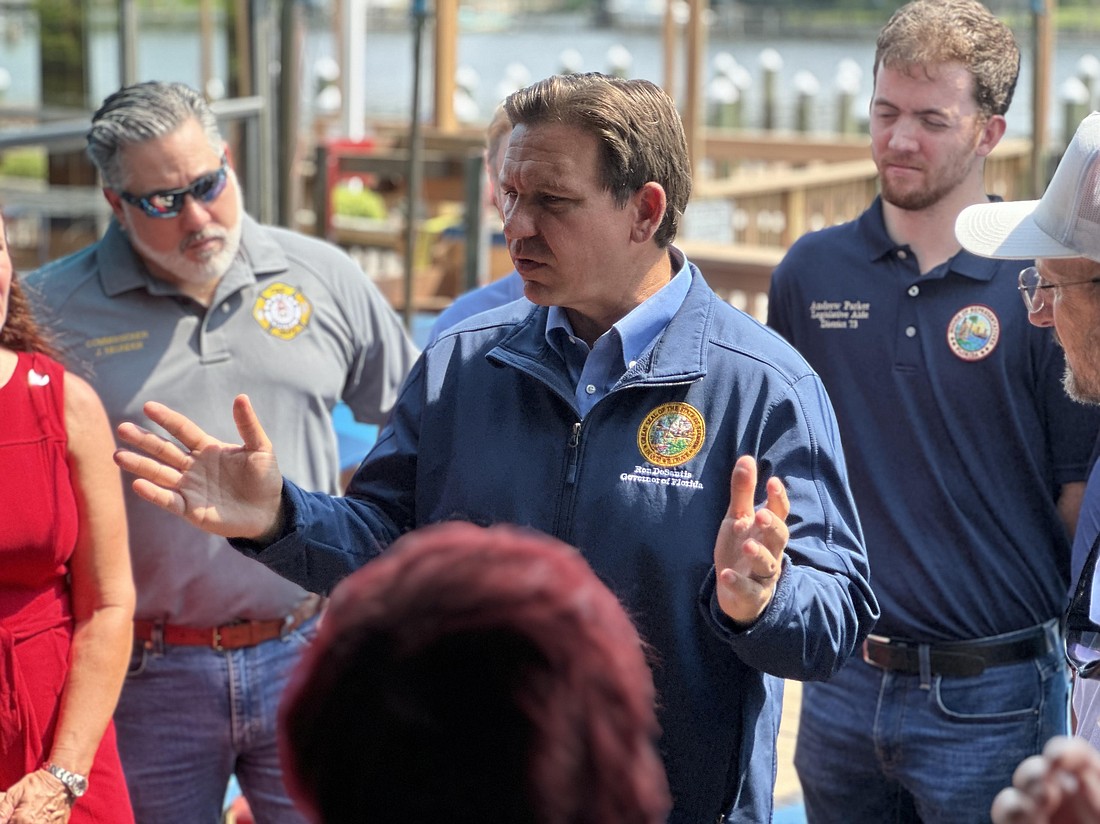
282,311
671,434
973,332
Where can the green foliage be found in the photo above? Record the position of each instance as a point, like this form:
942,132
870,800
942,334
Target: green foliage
357,201
25,162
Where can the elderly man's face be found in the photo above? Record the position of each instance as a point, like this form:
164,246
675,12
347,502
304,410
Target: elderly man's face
1075,315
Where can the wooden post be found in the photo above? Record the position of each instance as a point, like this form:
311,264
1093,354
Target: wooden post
446,64
287,134
241,57
127,42
65,84
206,46
693,87
807,88
670,32
771,62
1042,51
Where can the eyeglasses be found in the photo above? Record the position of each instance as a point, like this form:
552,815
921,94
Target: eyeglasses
170,203
1082,635
1032,286
1083,652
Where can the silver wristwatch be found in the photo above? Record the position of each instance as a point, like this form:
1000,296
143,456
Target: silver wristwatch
76,784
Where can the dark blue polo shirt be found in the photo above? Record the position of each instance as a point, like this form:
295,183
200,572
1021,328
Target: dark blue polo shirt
956,428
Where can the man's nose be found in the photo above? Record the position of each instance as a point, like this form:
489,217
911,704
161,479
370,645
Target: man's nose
1044,317
518,222
195,214
903,136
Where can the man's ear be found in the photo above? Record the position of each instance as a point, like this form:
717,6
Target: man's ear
992,132
649,203
115,202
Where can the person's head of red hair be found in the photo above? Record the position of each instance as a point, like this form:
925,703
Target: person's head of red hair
475,674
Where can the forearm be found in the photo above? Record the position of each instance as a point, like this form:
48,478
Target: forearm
100,655
1070,497
324,538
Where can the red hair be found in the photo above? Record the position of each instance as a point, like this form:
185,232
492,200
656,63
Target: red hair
471,675
19,331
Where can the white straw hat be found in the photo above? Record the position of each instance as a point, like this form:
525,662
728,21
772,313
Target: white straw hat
1064,223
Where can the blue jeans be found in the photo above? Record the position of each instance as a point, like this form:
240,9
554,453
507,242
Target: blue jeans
189,717
877,747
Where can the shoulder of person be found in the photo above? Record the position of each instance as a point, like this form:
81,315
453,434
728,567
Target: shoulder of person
307,250
84,412
739,332
821,241
57,280
495,320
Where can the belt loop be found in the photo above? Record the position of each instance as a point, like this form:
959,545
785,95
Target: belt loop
289,623
1052,629
924,657
156,641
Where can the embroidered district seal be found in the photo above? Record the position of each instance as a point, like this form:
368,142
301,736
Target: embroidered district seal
973,332
671,434
282,311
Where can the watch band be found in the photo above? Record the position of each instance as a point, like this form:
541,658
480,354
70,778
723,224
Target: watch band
75,784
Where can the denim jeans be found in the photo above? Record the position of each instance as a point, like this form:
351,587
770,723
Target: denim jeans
189,717
877,747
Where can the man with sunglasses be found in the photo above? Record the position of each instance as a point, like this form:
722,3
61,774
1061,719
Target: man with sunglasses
1062,291
187,298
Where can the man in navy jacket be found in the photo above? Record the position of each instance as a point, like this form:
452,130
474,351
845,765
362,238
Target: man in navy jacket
631,412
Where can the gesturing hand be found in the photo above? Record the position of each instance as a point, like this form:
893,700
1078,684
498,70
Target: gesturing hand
748,553
227,489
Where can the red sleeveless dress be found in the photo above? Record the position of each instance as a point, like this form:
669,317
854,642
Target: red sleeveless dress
38,528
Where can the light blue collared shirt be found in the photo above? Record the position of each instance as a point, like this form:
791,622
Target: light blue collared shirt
595,371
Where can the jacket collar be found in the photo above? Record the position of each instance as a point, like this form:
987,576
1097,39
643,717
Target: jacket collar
680,354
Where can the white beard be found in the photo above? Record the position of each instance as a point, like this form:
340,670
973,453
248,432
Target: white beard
200,272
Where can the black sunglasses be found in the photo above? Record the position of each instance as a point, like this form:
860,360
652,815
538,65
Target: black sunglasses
170,203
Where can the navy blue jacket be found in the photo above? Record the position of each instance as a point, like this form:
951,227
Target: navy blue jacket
486,430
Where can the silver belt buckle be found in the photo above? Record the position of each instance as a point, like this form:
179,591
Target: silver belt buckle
878,639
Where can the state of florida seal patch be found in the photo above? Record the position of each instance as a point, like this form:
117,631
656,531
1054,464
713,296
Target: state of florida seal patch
973,332
671,434
282,311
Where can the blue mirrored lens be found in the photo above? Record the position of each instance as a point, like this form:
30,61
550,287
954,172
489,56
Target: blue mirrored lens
170,203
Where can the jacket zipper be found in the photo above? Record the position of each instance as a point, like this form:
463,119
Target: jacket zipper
574,440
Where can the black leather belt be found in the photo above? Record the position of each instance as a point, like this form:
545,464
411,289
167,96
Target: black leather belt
959,658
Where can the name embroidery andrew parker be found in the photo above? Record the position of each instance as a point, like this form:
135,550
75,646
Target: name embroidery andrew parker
839,314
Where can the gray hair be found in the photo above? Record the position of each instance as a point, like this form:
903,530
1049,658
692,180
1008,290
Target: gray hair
142,112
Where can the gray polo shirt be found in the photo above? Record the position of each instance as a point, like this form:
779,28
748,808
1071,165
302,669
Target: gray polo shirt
294,323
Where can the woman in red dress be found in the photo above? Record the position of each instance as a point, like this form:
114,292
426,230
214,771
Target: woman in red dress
66,593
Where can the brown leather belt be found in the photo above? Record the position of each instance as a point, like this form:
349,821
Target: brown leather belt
228,636
960,658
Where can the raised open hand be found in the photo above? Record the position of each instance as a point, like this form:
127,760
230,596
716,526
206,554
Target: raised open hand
227,489
748,553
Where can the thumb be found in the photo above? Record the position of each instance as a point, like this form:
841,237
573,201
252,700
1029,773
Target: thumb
742,488
248,425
